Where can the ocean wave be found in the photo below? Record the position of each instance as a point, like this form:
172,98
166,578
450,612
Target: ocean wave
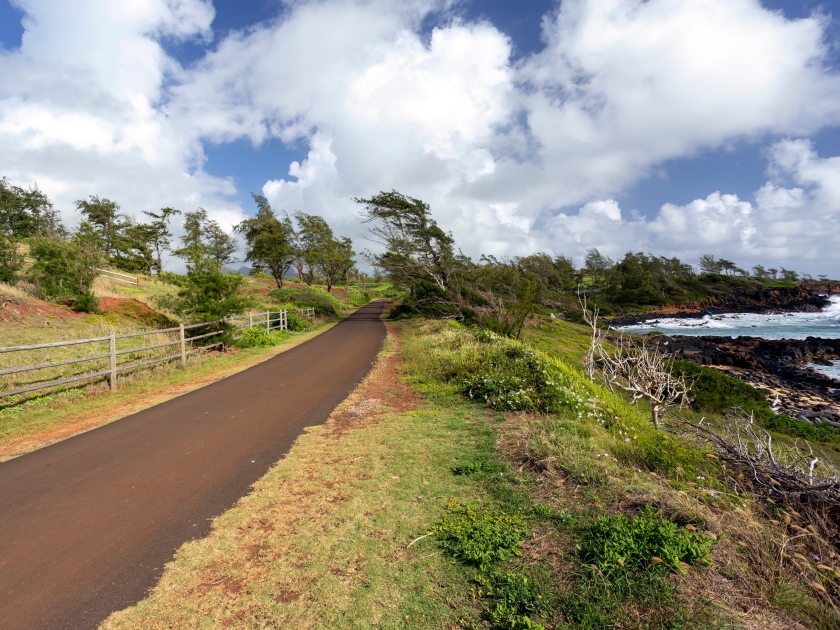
825,323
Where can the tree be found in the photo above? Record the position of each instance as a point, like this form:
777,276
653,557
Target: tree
416,249
597,266
727,265
204,237
790,275
11,261
309,236
772,271
319,251
66,268
105,218
25,213
132,249
336,260
158,235
207,293
708,264
269,242
760,272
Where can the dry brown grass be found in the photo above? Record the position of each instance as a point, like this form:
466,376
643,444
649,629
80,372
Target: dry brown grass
322,539
763,574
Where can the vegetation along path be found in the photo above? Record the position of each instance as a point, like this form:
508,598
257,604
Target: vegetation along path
87,524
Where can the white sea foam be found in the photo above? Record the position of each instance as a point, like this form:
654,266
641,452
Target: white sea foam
825,324
831,371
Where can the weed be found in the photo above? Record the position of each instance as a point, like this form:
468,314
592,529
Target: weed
259,338
480,537
515,598
615,543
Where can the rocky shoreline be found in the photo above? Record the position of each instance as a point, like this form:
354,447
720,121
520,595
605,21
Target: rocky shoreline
809,299
776,367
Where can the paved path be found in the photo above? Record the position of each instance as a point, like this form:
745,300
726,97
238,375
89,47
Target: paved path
86,525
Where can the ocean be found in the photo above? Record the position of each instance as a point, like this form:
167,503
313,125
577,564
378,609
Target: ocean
825,324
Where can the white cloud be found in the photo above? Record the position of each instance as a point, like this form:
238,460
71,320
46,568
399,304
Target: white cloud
91,103
796,227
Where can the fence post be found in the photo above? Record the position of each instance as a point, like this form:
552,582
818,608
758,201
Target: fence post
183,346
250,319
112,343
284,319
267,321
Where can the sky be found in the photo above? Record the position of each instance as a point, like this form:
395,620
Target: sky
677,127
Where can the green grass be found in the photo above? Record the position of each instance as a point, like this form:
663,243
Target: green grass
322,541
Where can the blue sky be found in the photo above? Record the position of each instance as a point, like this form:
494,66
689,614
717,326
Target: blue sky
738,169
526,125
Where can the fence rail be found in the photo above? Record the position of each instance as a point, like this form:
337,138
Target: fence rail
119,277
271,320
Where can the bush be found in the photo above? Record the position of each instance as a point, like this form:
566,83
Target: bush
10,260
87,302
295,322
511,377
257,337
324,303
616,543
64,269
285,294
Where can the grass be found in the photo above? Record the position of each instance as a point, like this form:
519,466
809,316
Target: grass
646,498
323,539
421,508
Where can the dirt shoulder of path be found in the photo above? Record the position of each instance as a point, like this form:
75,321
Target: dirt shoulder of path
68,419
322,541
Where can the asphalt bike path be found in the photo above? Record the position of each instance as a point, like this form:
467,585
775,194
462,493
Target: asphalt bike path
87,524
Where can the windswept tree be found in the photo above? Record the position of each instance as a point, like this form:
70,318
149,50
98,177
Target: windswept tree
320,252
597,266
158,236
269,241
25,213
204,237
308,238
416,249
104,216
708,264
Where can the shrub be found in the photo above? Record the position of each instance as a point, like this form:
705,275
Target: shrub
511,376
480,537
63,269
10,260
515,596
285,294
615,543
87,302
324,303
258,337
295,322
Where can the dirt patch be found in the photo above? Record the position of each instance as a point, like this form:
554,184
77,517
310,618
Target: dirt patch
134,310
17,309
381,389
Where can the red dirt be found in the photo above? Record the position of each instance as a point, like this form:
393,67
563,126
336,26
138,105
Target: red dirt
14,310
87,524
133,309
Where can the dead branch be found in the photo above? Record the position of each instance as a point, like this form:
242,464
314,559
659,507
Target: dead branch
642,373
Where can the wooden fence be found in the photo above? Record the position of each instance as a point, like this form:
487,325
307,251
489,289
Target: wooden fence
272,320
119,277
